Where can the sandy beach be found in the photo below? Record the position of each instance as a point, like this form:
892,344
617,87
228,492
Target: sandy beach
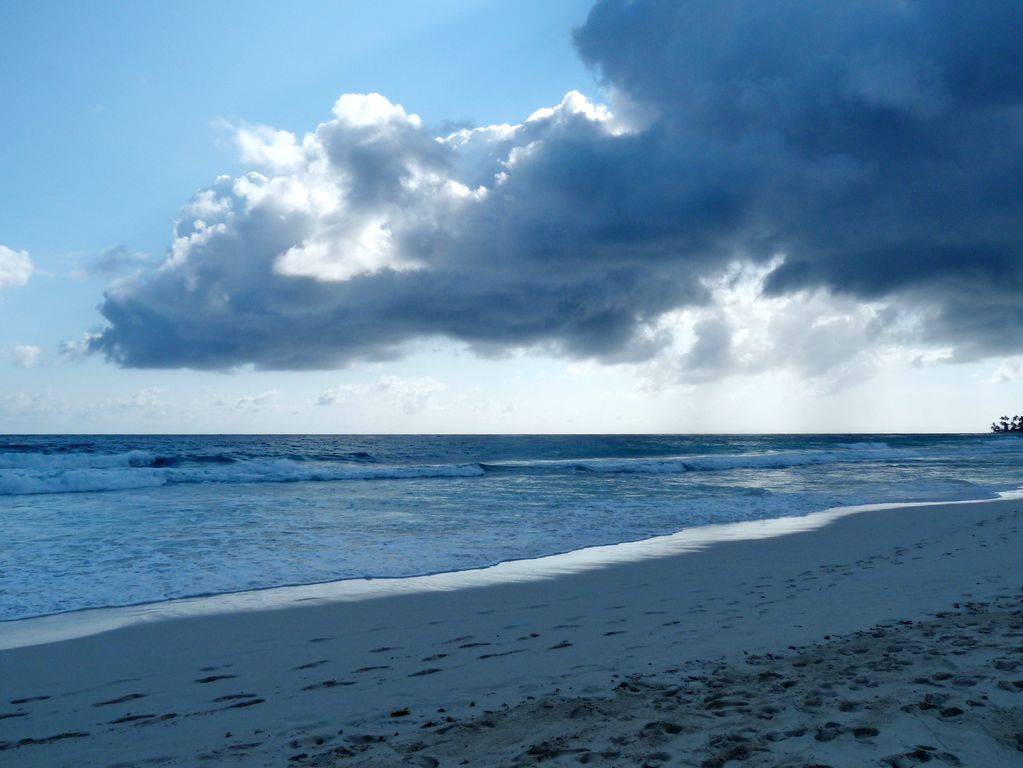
888,637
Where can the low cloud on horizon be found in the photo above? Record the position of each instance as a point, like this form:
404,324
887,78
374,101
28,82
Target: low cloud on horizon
858,162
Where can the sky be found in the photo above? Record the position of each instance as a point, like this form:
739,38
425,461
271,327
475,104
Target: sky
480,216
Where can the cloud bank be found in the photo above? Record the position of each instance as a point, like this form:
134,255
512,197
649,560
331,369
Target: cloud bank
866,150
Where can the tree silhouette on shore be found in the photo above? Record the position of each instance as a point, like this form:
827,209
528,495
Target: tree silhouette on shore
1007,424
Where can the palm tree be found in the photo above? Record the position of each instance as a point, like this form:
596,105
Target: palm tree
1008,424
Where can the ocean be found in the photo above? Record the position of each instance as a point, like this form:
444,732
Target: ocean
94,521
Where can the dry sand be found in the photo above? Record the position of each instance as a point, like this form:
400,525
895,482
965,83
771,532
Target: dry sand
837,646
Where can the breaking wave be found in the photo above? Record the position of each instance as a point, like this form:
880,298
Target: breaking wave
85,472
82,471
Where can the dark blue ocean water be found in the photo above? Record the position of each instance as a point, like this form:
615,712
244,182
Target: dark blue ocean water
89,521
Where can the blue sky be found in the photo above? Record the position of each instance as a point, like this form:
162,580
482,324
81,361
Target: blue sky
632,271
109,99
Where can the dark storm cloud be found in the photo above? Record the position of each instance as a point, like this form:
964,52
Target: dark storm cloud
890,133
877,146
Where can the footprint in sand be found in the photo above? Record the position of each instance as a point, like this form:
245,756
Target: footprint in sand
29,699
214,678
310,665
328,684
131,719
505,653
121,700
248,703
45,740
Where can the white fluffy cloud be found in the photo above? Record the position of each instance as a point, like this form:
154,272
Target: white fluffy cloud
370,232
26,355
1009,371
16,267
410,395
258,402
405,395
825,339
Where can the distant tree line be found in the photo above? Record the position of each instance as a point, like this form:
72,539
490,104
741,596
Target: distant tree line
1007,424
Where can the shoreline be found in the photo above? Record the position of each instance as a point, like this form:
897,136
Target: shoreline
83,622
318,677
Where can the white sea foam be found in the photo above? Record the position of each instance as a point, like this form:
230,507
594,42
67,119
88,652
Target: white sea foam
195,515
59,461
30,474
15,482
746,461
55,628
35,473
863,452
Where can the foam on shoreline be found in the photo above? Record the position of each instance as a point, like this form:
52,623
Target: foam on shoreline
74,624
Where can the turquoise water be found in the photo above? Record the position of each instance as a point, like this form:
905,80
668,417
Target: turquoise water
118,520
